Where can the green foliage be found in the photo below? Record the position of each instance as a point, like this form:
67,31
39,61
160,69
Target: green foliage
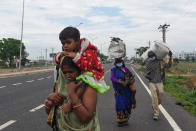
141,50
176,60
10,48
142,69
176,86
102,56
116,39
187,58
168,70
193,59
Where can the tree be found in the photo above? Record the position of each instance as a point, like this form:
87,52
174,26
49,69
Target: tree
102,56
141,50
193,59
176,60
187,58
116,39
10,49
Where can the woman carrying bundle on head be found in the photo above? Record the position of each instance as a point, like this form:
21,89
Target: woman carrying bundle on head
124,91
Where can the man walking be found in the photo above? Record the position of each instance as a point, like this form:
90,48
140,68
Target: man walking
155,73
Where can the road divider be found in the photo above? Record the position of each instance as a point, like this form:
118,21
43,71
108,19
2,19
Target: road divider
171,121
7,124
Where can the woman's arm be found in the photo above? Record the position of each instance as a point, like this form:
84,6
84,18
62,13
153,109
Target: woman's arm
83,109
126,69
53,99
112,77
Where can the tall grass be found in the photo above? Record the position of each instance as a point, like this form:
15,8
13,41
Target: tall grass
176,86
183,67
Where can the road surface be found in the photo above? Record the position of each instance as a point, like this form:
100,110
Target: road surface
21,106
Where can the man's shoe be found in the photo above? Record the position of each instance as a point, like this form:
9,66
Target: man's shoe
155,117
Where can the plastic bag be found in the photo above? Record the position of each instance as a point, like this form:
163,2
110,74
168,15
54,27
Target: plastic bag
117,49
159,48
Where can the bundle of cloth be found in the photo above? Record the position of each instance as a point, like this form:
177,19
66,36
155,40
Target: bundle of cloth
160,49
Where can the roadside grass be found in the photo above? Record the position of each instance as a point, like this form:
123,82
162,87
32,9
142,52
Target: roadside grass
142,69
183,68
6,67
176,86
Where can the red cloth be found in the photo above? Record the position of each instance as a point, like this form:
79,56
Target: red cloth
89,61
56,57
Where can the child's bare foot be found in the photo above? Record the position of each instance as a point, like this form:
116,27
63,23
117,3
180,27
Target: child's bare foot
66,107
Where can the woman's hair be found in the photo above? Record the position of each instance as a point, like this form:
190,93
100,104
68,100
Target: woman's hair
69,62
70,32
118,60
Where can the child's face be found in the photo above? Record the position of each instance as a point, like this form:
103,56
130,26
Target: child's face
70,44
127,77
70,72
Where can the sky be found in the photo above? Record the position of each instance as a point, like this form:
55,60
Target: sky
136,22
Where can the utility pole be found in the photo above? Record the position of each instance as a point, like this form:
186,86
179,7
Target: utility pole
21,35
41,56
164,29
46,57
135,53
149,43
52,56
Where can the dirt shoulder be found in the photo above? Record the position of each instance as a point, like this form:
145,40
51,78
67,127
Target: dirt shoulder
4,71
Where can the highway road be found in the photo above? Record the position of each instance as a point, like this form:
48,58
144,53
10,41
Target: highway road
22,109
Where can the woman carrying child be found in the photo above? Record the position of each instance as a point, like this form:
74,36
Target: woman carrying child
83,114
84,57
124,91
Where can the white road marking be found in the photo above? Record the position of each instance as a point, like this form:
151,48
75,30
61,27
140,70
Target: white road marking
49,77
7,124
30,81
2,87
40,79
162,109
37,108
17,84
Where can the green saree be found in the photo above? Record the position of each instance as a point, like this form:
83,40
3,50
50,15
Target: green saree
68,121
